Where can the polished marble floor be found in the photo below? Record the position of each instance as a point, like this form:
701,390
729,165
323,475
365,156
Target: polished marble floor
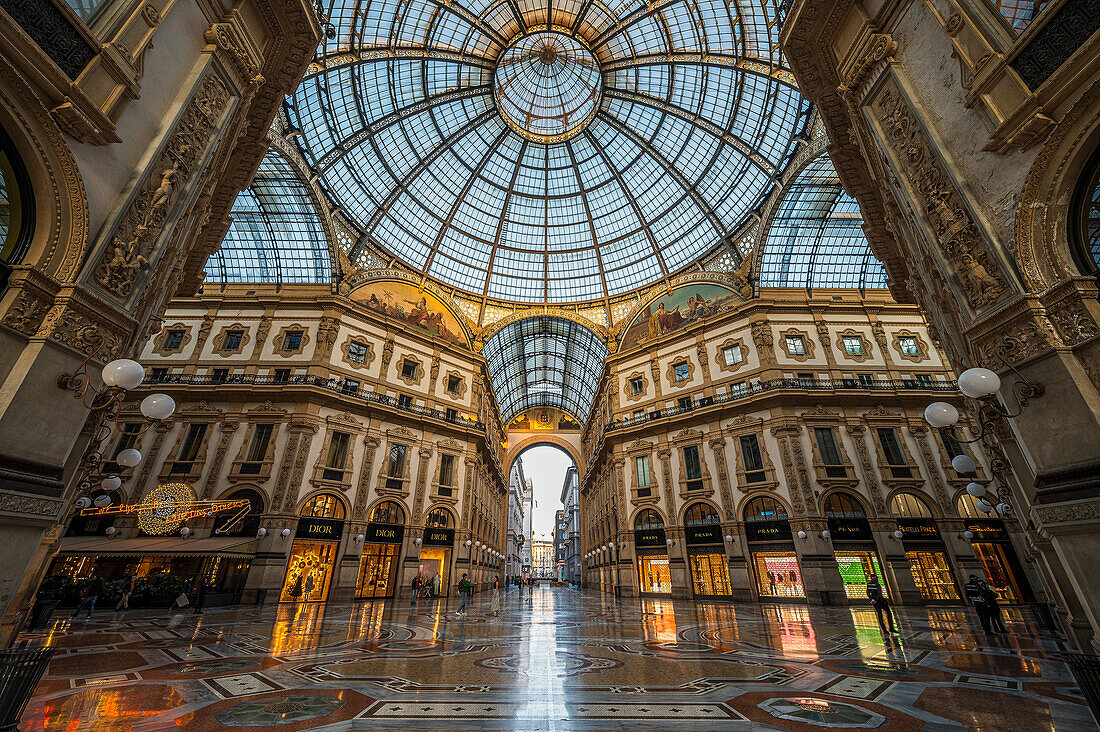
551,659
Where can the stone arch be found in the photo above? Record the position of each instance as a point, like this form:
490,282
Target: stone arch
761,494
446,509
863,501
404,508
60,237
573,450
929,502
323,491
687,505
1042,232
642,509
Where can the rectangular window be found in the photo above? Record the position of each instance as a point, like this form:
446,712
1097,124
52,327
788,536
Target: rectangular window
754,461
281,376
692,468
637,386
292,341
830,454
446,474
218,376
853,346
159,373
350,386
174,340
680,372
257,449
908,346
404,401
866,379
232,340
357,352
639,414
924,379
684,403
451,414
795,346
953,446
732,355
739,389
408,369
891,448
806,381
641,471
337,456
453,384
189,450
396,467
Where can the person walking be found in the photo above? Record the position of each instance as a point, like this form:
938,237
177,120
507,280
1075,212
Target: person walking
881,605
494,605
437,584
464,589
127,590
996,618
200,594
977,598
89,596
417,581
184,598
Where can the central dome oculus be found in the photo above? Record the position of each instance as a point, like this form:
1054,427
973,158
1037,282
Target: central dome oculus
547,86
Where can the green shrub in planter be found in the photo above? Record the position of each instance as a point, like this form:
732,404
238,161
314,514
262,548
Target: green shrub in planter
157,590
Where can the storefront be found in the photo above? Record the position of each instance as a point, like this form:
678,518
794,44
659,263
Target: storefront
928,560
435,556
654,577
313,554
1002,567
710,575
856,556
378,565
775,568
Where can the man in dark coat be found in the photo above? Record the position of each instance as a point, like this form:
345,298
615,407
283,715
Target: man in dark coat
977,598
881,605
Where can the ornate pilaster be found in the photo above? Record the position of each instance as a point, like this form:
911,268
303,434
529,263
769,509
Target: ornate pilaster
299,469
920,433
665,456
793,488
228,429
859,437
718,447
362,491
421,483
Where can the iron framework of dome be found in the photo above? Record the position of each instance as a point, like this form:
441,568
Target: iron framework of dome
547,151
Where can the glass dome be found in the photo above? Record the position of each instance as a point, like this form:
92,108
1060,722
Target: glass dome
548,152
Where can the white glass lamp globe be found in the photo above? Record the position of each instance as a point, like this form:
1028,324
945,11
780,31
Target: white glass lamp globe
185,531
941,414
110,530
111,483
1005,509
359,538
801,534
284,533
964,464
975,489
468,542
477,543
102,501
128,458
158,406
83,502
826,534
968,534
418,541
261,531
898,534
984,506
668,541
978,383
729,539
610,545
123,373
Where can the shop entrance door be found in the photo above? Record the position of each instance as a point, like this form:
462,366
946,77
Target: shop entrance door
309,572
653,574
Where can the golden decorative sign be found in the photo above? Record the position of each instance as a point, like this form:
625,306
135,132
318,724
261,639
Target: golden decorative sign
169,505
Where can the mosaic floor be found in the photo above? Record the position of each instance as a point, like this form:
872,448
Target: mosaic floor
554,659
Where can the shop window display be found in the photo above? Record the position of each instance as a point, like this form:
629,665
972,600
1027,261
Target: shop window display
854,567
778,574
654,574
377,570
709,574
309,571
932,575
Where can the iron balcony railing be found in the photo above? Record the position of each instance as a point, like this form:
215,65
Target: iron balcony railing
761,387
329,384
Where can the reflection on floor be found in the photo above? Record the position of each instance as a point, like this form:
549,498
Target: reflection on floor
554,659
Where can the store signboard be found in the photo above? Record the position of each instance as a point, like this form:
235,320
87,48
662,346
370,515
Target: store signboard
649,537
435,536
850,529
918,528
768,530
710,534
319,529
987,530
378,533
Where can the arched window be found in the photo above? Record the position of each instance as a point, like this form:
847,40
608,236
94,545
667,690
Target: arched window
967,506
907,505
438,518
324,505
701,514
765,508
649,519
16,207
1084,223
387,512
842,505
249,523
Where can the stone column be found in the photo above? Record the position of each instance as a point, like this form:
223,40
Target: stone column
737,559
820,573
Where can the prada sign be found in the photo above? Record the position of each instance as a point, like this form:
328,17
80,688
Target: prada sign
850,529
384,533
710,534
649,537
918,528
319,529
768,530
435,536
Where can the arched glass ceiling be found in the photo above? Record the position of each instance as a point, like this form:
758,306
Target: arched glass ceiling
400,119
544,361
815,238
276,235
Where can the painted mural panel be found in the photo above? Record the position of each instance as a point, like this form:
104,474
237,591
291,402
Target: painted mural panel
403,301
683,306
